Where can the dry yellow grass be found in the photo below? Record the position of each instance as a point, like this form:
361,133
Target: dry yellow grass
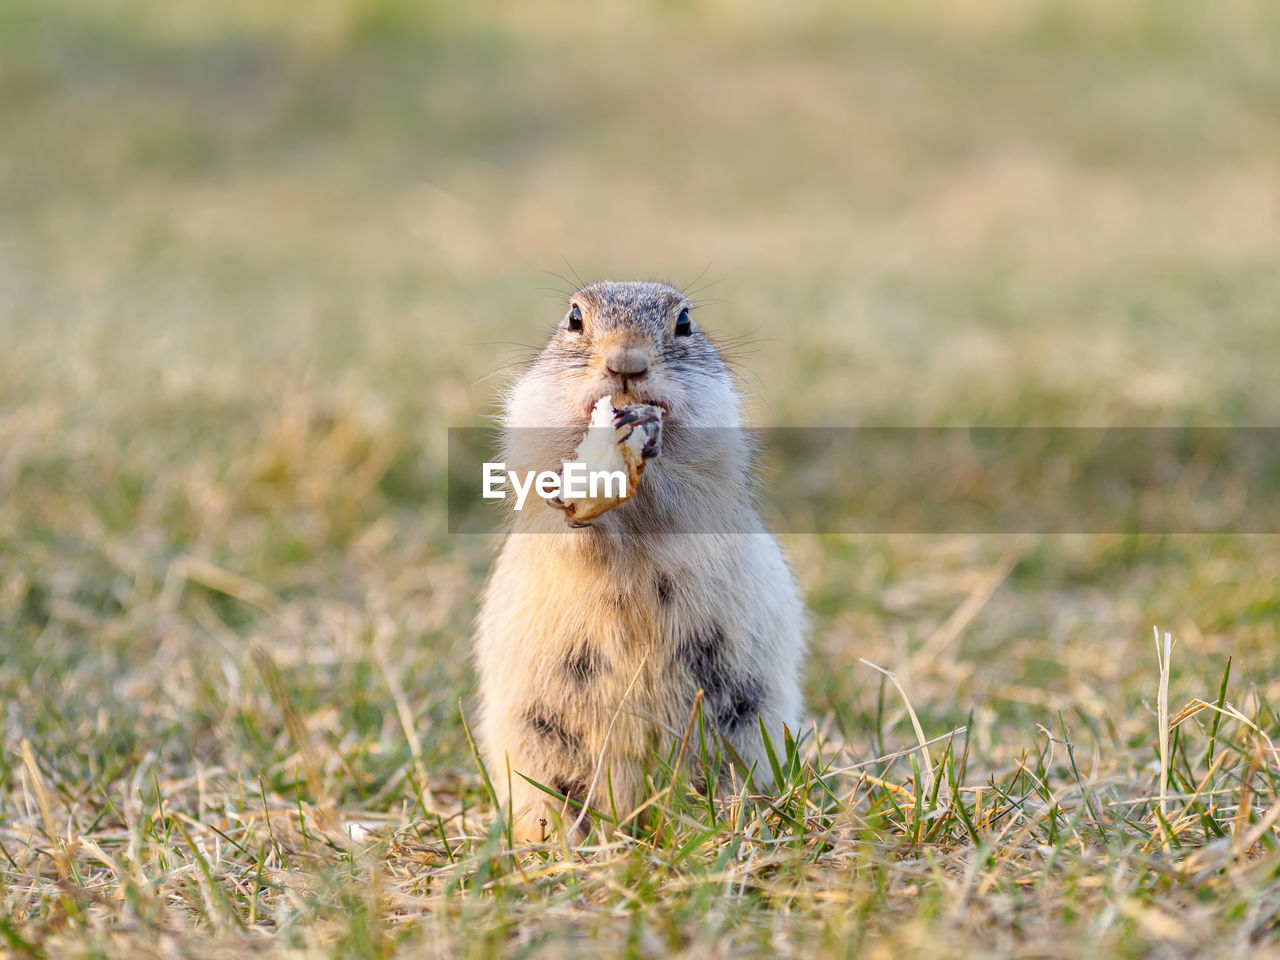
253,262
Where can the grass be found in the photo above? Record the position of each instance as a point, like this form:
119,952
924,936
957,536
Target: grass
254,264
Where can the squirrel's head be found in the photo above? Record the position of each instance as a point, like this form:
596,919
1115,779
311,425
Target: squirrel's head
637,341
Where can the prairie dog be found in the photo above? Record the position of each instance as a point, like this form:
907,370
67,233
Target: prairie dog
593,639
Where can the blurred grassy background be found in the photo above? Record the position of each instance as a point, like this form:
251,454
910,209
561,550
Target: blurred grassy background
254,258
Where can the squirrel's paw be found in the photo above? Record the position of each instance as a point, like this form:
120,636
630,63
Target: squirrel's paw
569,510
643,418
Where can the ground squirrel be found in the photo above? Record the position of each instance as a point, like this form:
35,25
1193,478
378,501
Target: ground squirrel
594,638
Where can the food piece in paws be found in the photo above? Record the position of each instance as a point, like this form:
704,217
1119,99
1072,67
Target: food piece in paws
617,442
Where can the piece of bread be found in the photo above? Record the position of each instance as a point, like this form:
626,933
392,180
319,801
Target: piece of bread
612,447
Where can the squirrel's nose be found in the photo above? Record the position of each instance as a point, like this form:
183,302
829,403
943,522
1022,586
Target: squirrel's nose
627,362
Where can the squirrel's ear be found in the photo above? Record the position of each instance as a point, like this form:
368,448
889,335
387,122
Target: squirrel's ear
575,318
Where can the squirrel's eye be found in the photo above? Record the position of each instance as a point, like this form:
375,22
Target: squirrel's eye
575,318
684,326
